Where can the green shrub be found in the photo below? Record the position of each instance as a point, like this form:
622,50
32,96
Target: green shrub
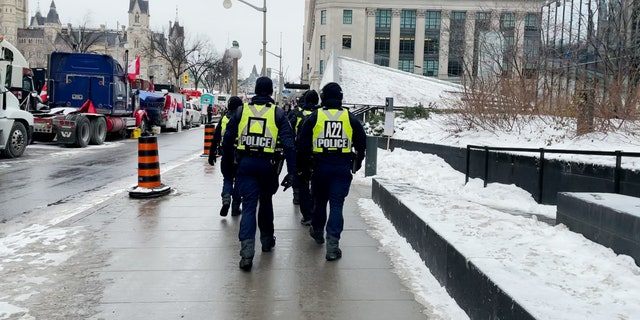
374,123
417,112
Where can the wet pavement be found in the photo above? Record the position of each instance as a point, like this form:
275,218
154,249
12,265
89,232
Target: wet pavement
175,257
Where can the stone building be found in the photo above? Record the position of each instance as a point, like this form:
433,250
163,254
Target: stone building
13,15
42,34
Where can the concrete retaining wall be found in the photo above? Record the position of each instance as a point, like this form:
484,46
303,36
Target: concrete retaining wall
474,292
612,220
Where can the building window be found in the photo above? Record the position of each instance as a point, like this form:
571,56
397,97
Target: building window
430,68
531,21
321,66
323,17
346,42
507,21
347,16
531,55
432,44
456,44
136,43
483,21
405,65
407,45
454,68
408,19
383,18
432,20
458,15
382,47
137,17
323,41
508,55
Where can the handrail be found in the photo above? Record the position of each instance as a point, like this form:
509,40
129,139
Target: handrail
617,170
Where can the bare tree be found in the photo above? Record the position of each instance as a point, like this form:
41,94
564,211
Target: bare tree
173,49
219,74
201,63
81,38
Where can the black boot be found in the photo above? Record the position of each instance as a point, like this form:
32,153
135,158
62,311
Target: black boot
247,250
235,208
226,203
296,196
268,242
317,235
333,249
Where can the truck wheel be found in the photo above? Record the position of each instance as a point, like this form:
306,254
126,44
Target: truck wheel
17,141
144,126
98,131
83,132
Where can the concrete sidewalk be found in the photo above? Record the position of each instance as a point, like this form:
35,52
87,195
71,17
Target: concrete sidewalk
174,257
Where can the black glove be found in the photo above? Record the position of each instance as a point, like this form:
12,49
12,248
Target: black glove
212,159
287,182
356,166
304,175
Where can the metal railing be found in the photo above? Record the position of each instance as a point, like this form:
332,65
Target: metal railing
541,151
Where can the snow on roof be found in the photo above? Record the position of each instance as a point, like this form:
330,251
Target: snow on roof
369,84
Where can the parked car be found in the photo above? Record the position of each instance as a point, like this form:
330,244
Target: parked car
192,114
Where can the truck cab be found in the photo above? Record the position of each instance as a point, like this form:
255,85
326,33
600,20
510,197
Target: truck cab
16,124
16,76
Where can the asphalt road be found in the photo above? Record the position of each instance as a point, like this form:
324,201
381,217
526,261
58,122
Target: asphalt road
50,175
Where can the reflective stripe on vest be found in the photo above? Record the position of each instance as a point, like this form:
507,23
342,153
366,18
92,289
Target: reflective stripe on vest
332,132
305,114
257,130
223,124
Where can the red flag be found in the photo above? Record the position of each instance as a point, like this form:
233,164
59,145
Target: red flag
133,69
43,93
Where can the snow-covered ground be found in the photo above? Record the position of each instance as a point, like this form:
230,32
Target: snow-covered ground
553,272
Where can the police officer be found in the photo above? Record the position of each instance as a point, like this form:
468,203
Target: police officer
295,116
328,138
229,190
257,126
301,191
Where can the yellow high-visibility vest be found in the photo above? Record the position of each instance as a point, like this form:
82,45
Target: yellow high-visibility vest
332,132
257,130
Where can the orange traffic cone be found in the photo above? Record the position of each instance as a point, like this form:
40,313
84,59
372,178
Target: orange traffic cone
149,185
209,130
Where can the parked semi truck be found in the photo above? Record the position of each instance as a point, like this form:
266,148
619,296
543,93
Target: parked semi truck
88,98
16,125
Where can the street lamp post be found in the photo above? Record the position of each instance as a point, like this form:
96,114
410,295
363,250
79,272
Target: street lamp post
227,5
280,77
235,54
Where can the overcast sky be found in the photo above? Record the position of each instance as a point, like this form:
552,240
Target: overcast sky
207,18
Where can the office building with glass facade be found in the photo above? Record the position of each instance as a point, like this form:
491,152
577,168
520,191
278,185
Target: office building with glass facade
440,39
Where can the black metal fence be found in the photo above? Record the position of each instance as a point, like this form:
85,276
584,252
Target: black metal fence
540,164
543,178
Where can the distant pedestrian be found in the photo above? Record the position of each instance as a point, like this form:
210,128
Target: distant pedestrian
328,139
230,196
209,113
256,126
